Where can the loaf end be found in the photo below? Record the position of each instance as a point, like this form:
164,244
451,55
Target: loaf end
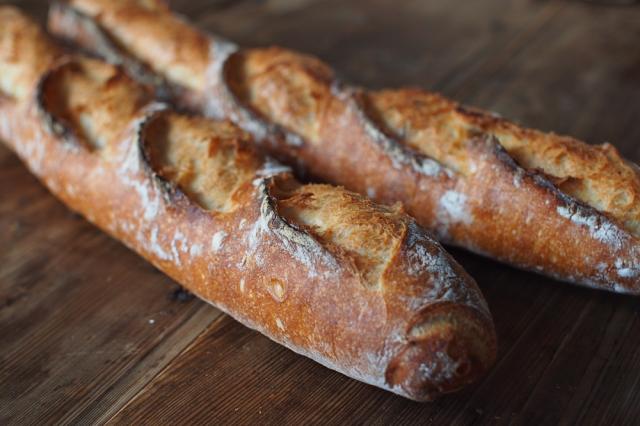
448,347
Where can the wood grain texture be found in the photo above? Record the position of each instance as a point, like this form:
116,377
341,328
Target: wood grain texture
75,339
73,326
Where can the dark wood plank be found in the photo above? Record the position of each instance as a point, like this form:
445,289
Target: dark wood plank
83,321
235,375
566,354
376,43
36,8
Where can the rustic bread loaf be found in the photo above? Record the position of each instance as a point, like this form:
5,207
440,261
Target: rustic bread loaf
356,286
539,201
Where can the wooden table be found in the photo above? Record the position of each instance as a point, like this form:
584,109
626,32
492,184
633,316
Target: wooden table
89,332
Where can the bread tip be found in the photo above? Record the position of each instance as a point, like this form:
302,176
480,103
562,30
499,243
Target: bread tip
448,347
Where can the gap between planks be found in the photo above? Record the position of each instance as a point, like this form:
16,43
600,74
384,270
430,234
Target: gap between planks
173,353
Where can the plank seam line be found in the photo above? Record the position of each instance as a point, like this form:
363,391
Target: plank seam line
561,346
499,56
87,409
186,349
613,357
495,368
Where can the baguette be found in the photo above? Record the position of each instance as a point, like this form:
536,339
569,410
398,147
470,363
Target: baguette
535,200
358,287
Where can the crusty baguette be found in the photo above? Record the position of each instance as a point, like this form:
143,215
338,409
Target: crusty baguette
357,287
539,201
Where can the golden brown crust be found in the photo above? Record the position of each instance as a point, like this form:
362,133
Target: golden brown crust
265,73
181,54
595,175
539,201
21,40
356,286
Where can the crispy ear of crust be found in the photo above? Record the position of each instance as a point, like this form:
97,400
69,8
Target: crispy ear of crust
539,201
356,286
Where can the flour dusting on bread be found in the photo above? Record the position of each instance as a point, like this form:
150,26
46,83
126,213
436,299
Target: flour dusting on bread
426,147
317,268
